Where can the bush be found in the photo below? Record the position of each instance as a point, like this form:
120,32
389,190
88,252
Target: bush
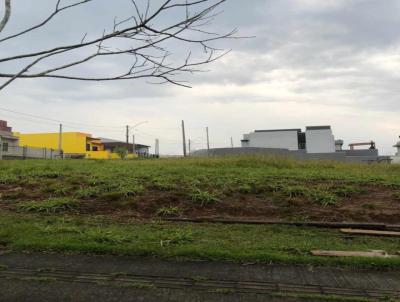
204,198
323,197
121,151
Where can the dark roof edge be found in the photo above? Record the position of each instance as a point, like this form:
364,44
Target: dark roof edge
318,127
278,130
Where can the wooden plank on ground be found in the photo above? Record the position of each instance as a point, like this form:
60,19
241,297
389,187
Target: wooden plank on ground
318,224
372,254
370,232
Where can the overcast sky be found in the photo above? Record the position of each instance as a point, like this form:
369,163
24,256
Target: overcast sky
312,62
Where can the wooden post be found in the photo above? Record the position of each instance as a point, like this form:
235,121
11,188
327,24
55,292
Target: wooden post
184,138
60,142
208,142
1,149
127,139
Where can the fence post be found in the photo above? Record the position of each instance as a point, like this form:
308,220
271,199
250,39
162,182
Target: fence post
24,152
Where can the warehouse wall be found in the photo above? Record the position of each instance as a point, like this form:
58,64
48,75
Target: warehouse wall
272,139
320,141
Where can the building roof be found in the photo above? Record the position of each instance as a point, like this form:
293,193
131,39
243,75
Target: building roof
108,141
8,135
278,130
318,127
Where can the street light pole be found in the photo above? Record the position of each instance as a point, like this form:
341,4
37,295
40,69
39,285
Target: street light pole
133,137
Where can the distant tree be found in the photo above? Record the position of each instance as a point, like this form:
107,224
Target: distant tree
121,151
149,51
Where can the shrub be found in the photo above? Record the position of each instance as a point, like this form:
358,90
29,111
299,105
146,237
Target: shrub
204,198
323,197
121,151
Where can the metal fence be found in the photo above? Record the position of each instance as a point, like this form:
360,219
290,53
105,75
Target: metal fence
16,152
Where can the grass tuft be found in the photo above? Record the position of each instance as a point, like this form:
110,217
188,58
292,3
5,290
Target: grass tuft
51,205
204,198
169,211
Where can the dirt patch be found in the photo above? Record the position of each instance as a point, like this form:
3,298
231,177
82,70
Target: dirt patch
369,204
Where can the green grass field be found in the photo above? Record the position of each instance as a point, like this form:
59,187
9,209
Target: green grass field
116,206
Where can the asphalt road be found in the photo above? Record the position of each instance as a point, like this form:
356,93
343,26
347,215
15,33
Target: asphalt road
57,277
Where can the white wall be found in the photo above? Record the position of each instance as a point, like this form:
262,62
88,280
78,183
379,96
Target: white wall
395,159
273,139
320,141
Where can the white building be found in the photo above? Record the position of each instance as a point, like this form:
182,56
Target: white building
280,139
396,157
319,139
316,139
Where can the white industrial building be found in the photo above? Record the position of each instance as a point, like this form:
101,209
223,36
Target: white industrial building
396,157
316,139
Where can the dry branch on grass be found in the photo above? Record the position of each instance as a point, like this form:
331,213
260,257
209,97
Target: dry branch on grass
148,54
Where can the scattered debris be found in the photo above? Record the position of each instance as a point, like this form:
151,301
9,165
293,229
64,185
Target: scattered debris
375,254
317,224
370,232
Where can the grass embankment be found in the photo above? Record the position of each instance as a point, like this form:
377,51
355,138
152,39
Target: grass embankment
113,207
277,244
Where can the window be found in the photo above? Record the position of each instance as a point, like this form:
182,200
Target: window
95,148
5,147
87,147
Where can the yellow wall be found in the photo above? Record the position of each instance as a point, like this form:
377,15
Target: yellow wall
72,142
106,155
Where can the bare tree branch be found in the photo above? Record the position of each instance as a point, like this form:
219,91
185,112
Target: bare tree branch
44,22
7,14
149,52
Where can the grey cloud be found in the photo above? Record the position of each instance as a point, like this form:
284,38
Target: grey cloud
313,56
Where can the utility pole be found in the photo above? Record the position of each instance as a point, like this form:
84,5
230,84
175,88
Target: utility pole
127,139
1,149
184,138
157,147
208,142
60,141
190,147
133,144
232,142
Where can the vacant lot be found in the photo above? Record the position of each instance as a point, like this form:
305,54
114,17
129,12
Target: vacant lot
116,206
238,187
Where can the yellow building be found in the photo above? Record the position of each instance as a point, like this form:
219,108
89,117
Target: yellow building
74,144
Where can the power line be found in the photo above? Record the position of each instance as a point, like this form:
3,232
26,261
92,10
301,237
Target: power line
55,120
